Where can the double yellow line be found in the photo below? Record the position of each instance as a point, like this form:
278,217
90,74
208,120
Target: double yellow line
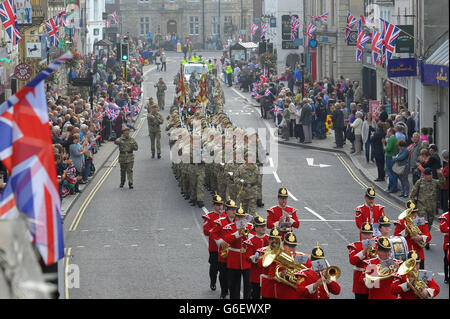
360,182
91,195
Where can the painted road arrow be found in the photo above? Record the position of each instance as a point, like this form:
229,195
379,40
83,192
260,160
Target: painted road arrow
311,163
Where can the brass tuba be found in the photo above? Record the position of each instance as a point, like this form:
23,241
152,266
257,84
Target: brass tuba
274,254
408,268
383,273
412,229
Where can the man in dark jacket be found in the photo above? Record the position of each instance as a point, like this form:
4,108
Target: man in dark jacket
305,120
338,125
411,124
377,150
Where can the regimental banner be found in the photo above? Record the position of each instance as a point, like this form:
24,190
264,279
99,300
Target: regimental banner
402,67
432,74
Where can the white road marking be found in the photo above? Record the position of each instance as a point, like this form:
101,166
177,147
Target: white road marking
311,163
161,245
292,196
315,214
188,245
313,229
327,220
134,245
80,246
276,177
441,274
186,228
160,229
271,162
106,246
239,93
84,230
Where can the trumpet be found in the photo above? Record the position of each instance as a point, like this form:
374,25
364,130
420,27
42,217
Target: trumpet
372,252
224,251
244,231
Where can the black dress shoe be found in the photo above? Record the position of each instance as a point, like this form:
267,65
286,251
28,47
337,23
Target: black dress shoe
200,204
213,287
159,156
153,155
121,186
427,246
130,186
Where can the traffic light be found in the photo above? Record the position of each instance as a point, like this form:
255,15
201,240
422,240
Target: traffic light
124,51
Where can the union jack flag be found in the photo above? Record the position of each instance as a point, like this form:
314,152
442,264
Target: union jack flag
27,153
62,18
295,23
8,208
322,18
263,77
108,23
126,109
264,29
360,44
9,20
53,32
350,23
253,30
267,92
390,35
114,16
377,47
310,31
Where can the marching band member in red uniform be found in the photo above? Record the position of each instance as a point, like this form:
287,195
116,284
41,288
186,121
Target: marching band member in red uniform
208,226
384,227
237,262
283,291
253,246
369,211
400,285
311,285
357,254
217,235
443,226
413,242
380,288
282,216
267,282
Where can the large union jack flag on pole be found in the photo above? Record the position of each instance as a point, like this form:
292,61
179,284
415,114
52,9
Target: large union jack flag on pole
310,32
9,20
27,153
350,23
114,16
295,23
360,44
253,30
377,47
53,32
390,35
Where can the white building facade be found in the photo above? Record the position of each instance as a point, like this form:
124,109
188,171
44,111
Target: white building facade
94,23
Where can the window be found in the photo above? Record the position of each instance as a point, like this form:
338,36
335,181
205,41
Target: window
228,19
144,25
144,1
194,25
214,25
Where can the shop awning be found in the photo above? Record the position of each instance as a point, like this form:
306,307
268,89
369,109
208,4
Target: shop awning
440,56
244,46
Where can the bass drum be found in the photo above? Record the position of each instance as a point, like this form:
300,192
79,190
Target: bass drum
399,248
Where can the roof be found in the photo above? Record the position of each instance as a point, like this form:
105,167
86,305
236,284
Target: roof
244,45
440,56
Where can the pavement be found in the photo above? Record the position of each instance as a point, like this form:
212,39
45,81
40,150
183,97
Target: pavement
148,242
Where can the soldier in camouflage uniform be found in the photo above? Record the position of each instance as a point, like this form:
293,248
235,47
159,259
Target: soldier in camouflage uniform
161,88
247,175
149,105
154,120
127,145
425,192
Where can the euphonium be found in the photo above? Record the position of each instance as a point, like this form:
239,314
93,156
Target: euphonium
416,285
290,268
412,229
383,273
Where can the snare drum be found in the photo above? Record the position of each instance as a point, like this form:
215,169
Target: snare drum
399,248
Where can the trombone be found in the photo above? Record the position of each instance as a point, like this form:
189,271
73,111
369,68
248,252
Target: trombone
333,274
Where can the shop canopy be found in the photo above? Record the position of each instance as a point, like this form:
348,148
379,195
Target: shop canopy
243,46
434,71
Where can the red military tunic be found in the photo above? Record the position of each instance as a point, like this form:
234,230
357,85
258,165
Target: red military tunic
283,291
273,218
208,226
400,230
356,258
400,287
252,247
217,234
305,287
266,282
364,213
444,229
236,253
382,290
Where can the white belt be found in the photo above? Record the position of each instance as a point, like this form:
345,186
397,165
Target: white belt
238,250
358,269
